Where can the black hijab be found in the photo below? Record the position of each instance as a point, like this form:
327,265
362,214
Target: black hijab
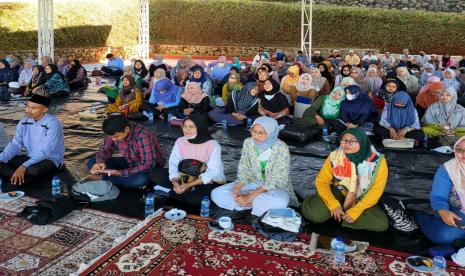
201,122
326,74
342,70
73,70
54,71
38,79
142,72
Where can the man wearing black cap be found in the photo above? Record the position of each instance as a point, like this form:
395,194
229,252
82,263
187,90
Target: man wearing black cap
41,134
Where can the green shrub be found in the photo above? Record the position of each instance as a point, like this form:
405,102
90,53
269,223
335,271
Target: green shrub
233,22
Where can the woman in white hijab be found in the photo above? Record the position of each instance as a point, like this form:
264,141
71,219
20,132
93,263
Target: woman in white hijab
263,180
319,83
447,199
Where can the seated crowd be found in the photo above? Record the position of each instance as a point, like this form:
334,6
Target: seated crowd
354,99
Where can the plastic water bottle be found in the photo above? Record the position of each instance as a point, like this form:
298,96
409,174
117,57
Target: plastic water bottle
339,251
224,124
150,117
1,184
93,108
170,117
439,266
205,207
249,122
149,204
56,186
325,131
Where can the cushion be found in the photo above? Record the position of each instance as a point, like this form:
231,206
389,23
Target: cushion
293,132
301,104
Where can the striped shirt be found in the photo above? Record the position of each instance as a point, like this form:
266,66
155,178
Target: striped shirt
140,149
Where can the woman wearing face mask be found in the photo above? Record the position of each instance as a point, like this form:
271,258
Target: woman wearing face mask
323,110
319,83
290,80
55,84
233,84
164,99
198,75
193,100
303,88
445,119
349,185
273,103
345,72
357,110
399,119
129,99
450,81
447,199
263,180
196,144
428,72
246,73
429,96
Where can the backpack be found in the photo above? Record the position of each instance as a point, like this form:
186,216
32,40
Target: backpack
48,211
95,191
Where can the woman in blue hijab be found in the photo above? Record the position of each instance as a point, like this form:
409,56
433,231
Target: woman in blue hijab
399,119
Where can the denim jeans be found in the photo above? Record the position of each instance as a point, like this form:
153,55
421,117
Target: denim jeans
139,179
437,231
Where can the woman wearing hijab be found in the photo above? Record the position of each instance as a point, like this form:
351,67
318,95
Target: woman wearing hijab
359,77
357,110
319,83
429,96
63,65
447,199
447,61
273,103
158,63
246,73
193,100
233,84
323,110
218,72
129,99
399,119
242,104
263,180
450,80
345,72
324,70
178,73
140,72
347,81
7,75
271,73
428,72
349,185
445,119
25,76
198,75
409,80
303,88
158,74
290,80
384,96
77,75
55,84
196,144
373,81
164,99
281,68
37,79
261,76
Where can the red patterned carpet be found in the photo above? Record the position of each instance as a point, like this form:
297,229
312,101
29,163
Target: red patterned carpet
58,248
189,247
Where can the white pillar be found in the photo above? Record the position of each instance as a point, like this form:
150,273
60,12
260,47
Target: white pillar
144,41
306,30
45,29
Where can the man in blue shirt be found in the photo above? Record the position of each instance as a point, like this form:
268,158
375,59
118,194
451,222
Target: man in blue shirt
114,67
41,134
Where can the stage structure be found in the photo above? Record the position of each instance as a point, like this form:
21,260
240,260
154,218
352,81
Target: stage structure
45,28
306,27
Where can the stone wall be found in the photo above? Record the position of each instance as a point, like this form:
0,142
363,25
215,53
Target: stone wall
431,5
95,54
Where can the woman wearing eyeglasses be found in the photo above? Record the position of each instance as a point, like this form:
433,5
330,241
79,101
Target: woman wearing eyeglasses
196,144
447,199
263,180
349,185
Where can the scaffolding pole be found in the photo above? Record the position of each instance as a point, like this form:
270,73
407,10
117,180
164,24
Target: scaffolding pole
306,30
45,29
144,41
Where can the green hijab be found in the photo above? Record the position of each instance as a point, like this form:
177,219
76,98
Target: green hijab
331,107
365,145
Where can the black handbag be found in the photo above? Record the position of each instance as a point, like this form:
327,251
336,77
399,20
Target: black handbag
48,211
190,169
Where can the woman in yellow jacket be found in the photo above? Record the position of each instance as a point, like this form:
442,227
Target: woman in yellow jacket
350,184
129,98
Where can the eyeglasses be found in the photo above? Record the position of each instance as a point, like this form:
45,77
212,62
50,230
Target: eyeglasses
459,150
257,133
189,127
349,142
